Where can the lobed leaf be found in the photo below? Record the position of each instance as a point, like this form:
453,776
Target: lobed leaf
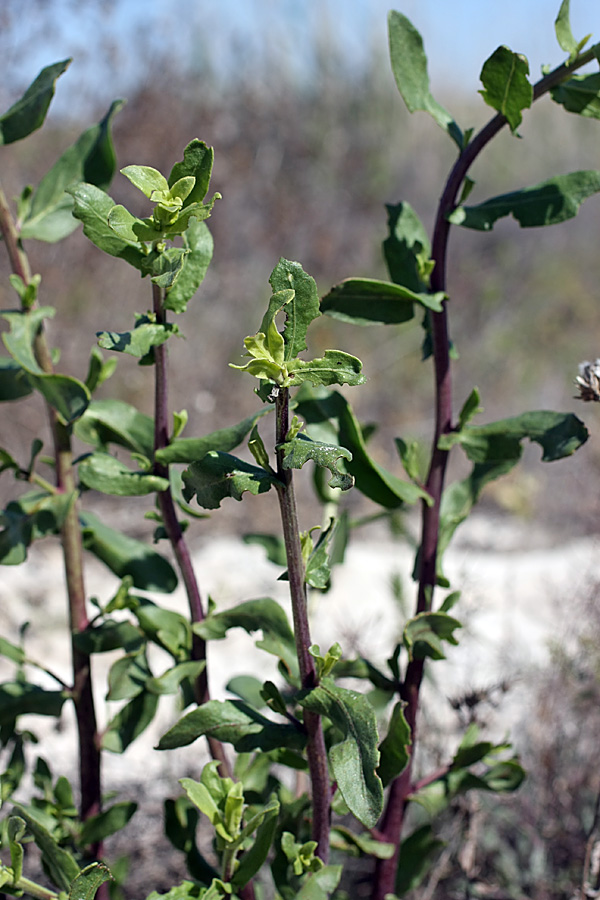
233,722
219,475
29,112
355,758
506,86
302,448
547,203
365,301
300,310
336,367
409,65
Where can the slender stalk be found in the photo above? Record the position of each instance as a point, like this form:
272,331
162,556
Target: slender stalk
173,526
401,788
89,753
315,750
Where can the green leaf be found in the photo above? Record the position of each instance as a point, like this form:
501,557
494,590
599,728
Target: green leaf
407,250
254,615
130,228
129,675
58,863
125,556
91,158
14,382
361,844
103,472
470,409
198,244
272,544
394,749
197,162
186,450
336,367
34,515
546,203
165,266
417,852
302,448
16,827
99,370
93,207
256,855
109,635
581,94
320,885
564,35
423,635
409,65
129,722
365,301
355,759
220,475
115,422
21,698
232,721
12,651
165,627
506,86
109,821
146,179
146,334
85,886
300,311
170,681
370,478
28,113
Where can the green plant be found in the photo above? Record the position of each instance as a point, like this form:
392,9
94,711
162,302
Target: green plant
353,745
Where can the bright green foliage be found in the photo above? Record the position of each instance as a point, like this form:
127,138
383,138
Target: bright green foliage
506,86
564,34
302,448
409,65
86,884
28,113
547,203
300,308
355,757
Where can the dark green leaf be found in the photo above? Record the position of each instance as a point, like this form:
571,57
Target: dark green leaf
109,635
21,698
504,776
355,759
99,370
547,203
409,65
506,86
165,627
407,251
103,472
417,852
220,475
35,515
130,722
28,113
108,822
198,162
581,94
115,422
92,159
336,367
394,752
198,243
233,722
125,556
59,863
145,335
85,886
93,207
186,450
14,383
364,301
128,675
300,311
424,634
302,448
16,828
165,266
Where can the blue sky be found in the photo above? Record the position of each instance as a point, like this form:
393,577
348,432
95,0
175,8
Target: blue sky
459,35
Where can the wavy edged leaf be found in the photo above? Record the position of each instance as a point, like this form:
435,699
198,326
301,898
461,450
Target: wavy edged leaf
131,721
187,450
336,367
233,722
198,247
103,472
93,207
87,883
92,159
546,203
581,95
302,448
354,760
365,301
29,112
139,342
116,422
59,863
219,475
424,635
409,65
506,86
300,311
125,556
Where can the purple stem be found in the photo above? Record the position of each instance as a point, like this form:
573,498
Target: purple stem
401,788
315,749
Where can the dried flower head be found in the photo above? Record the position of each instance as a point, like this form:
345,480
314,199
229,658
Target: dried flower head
588,381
